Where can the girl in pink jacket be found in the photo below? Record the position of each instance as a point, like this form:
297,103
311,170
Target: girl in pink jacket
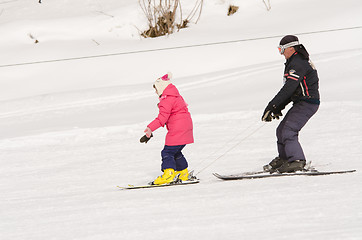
173,113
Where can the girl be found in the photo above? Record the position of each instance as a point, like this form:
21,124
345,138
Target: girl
173,113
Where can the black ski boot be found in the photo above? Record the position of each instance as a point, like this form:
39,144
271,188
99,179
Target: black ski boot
289,167
274,164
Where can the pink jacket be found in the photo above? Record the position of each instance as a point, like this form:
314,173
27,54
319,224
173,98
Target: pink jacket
173,113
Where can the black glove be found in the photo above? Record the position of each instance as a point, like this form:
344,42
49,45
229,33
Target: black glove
270,113
267,115
277,114
145,139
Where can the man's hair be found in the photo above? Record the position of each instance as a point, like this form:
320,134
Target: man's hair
299,48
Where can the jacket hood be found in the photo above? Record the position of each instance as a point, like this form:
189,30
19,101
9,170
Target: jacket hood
171,90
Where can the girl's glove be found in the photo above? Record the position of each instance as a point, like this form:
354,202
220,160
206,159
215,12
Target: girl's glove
147,136
145,139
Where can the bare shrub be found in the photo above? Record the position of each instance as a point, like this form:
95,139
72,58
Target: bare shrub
162,19
33,38
232,9
267,4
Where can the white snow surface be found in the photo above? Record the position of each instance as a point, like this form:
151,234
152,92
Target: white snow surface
70,129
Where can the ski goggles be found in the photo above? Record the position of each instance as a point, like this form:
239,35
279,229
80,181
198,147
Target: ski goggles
282,48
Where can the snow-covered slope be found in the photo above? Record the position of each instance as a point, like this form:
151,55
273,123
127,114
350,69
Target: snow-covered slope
70,129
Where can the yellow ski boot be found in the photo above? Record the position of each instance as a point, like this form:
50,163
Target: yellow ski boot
184,175
167,177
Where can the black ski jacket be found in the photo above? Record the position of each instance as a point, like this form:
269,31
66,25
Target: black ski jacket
301,83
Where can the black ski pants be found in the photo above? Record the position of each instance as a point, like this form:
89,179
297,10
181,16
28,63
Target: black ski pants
287,132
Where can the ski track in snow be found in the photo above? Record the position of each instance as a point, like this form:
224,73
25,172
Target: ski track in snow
135,95
210,79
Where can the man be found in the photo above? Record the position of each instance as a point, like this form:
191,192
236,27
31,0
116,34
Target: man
301,86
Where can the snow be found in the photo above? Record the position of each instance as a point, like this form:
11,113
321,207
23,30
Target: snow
70,129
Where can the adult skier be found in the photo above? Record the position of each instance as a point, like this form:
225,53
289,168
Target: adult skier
301,84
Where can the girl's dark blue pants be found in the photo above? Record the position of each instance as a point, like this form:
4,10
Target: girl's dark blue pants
172,157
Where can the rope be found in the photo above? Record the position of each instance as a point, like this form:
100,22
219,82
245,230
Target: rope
222,147
172,48
232,147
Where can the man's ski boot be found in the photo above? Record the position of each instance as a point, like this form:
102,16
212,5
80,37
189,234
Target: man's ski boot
167,177
274,164
289,167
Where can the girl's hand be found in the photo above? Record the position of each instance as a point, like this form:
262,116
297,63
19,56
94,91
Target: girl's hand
148,132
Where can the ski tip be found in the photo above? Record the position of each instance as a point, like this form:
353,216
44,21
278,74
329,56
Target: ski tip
217,175
129,186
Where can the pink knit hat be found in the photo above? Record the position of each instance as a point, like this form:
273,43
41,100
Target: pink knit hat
162,82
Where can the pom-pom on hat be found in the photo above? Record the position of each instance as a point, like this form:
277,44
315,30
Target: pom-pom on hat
162,82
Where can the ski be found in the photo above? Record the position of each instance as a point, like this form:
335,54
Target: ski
191,180
251,175
177,183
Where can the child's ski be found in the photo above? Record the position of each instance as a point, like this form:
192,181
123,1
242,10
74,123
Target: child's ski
129,187
191,180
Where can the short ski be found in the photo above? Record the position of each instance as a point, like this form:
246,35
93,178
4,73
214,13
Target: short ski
251,175
192,180
129,187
